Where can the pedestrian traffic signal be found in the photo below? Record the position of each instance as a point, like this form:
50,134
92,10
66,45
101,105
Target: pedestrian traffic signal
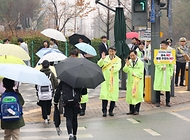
139,13
140,6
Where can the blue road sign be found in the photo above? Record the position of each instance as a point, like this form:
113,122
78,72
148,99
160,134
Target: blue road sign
152,14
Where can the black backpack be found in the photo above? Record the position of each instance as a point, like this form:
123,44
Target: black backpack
68,94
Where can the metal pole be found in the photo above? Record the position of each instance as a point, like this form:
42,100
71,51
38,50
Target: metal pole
123,77
155,44
32,53
188,86
170,36
66,48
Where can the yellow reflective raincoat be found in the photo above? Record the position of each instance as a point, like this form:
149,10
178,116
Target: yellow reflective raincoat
135,84
110,69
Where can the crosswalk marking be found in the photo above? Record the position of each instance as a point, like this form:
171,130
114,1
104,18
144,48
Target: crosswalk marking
180,116
132,120
43,129
41,133
52,137
152,132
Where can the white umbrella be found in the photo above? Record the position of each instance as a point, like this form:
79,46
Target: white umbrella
55,34
52,57
25,74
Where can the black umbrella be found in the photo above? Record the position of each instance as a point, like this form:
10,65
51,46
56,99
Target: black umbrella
79,72
74,39
57,120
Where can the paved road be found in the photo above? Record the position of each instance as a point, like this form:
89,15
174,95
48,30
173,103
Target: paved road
158,124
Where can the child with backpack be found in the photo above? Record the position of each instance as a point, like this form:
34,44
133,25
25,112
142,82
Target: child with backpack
45,93
11,111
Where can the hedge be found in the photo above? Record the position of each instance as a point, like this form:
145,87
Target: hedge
35,41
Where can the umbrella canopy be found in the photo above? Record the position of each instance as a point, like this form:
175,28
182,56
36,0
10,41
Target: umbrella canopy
11,60
52,68
25,74
74,39
45,51
14,50
79,72
55,34
86,48
130,35
120,33
52,57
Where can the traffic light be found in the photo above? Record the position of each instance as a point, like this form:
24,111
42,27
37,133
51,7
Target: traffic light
140,6
139,13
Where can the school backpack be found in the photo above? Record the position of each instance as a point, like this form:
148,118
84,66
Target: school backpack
68,94
10,107
45,92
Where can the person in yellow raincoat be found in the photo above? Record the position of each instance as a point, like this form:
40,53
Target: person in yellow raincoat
163,77
135,83
110,64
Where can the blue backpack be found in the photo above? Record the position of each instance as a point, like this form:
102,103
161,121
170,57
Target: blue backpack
11,109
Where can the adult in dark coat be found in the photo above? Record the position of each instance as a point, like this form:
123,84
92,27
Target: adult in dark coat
103,47
71,109
135,43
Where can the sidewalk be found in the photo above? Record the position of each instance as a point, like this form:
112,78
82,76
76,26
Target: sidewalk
32,114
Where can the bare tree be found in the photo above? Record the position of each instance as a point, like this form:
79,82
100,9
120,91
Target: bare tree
62,12
107,16
13,13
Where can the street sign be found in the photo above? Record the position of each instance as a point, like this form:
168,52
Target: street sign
145,34
164,56
152,13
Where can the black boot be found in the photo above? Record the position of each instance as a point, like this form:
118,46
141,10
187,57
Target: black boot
104,113
82,113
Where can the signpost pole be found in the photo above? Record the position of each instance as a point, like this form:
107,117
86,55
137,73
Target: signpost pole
155,40
170,36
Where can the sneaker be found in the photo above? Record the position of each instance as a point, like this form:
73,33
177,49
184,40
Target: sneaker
46,121
74,138
71,138
182,85
48,118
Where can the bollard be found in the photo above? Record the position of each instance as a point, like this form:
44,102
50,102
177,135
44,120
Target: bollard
147,88
186,77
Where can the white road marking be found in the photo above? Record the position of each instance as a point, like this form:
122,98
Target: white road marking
180,116
152,132
43,129
132,120
52,137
